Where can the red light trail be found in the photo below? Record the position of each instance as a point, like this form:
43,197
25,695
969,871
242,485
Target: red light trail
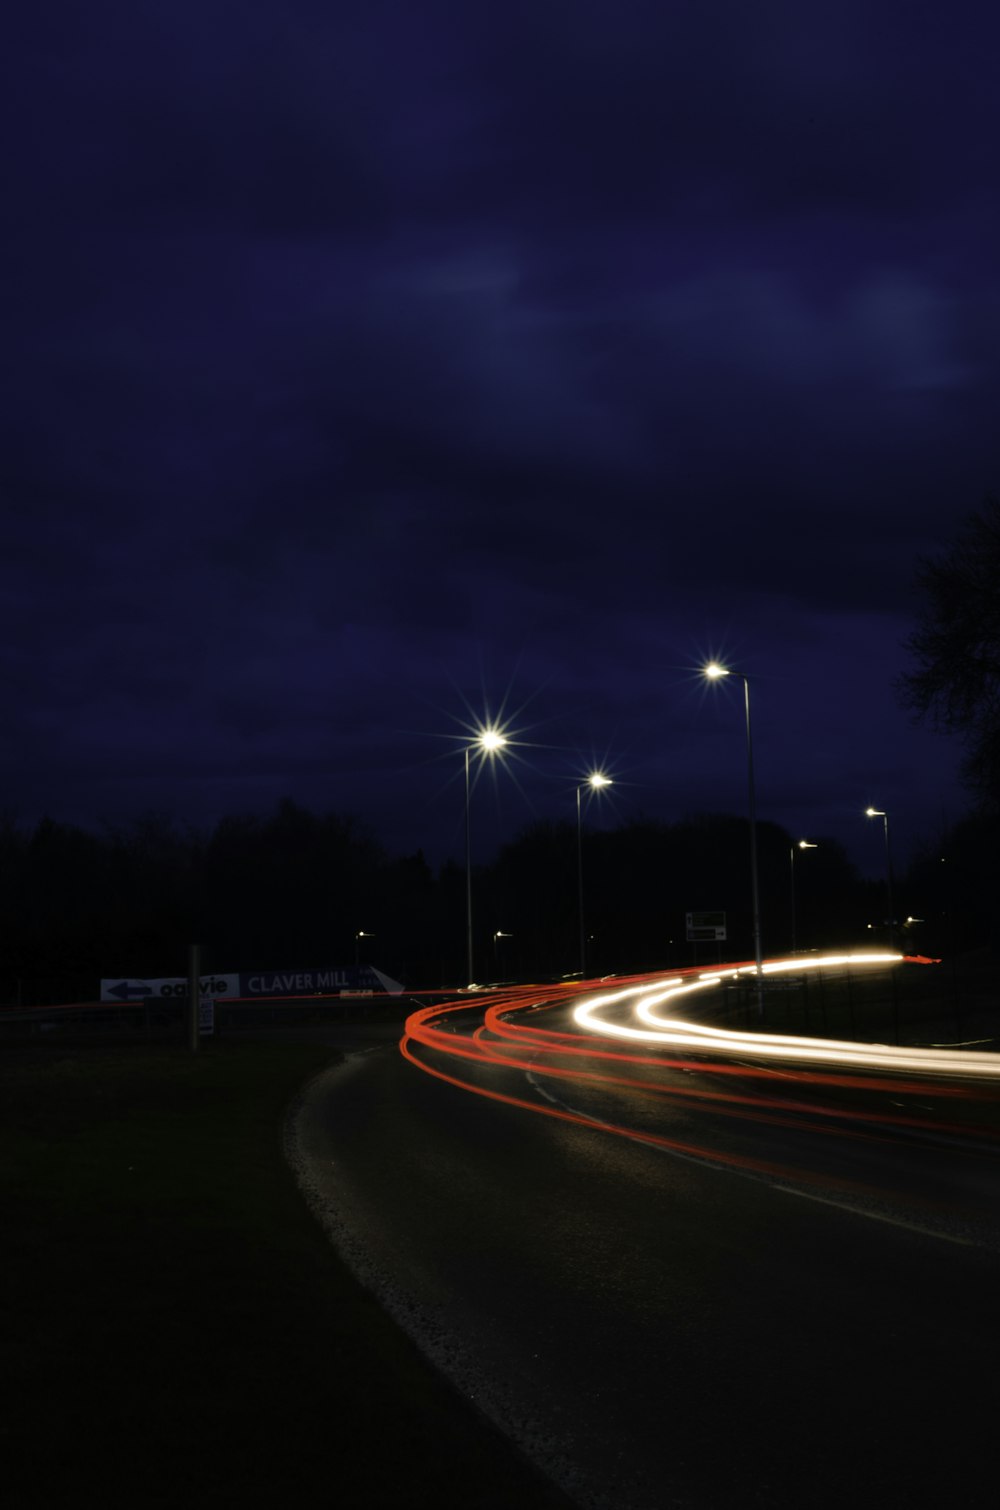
618,1040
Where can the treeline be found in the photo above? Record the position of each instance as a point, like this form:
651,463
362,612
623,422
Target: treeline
295,889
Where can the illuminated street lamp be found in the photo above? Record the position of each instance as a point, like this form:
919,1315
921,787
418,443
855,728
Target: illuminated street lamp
496,948
361,934
714,671
802,844
594,781
488,741
875,812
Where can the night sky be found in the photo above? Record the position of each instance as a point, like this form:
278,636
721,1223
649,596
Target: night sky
375,368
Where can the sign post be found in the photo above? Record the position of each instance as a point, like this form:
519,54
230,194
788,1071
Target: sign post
194,994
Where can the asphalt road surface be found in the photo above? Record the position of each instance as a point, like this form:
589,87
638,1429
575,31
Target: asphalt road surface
686,1282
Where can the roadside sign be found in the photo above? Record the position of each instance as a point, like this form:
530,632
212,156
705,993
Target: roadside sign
353,980
705,927
363,980
166,987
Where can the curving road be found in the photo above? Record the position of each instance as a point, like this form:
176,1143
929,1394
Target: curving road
680,1269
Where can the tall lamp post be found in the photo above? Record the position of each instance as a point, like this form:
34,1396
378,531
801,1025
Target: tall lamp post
361,934
802,844
487,742
594,781
496,948
714,671
875,812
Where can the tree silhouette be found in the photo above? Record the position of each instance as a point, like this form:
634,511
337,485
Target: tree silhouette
956,648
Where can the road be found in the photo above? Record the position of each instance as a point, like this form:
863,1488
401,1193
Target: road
677,1278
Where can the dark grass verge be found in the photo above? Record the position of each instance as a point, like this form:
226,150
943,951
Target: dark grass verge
176,1330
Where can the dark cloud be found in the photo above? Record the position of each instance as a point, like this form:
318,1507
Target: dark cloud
368,364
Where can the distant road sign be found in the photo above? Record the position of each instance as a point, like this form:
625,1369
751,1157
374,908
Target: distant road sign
705,926
353,980
167,986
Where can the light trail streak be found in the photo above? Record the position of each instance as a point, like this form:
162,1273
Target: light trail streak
678,1033
624,1044
565,1114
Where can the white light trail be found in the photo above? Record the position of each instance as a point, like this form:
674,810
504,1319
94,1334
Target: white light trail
676,1033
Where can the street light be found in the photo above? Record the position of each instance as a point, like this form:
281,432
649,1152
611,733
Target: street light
594,781
875,812
802,844
361,934
714,671
496,948
488,741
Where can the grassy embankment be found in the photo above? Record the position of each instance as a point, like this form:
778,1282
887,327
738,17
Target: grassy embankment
177,1330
